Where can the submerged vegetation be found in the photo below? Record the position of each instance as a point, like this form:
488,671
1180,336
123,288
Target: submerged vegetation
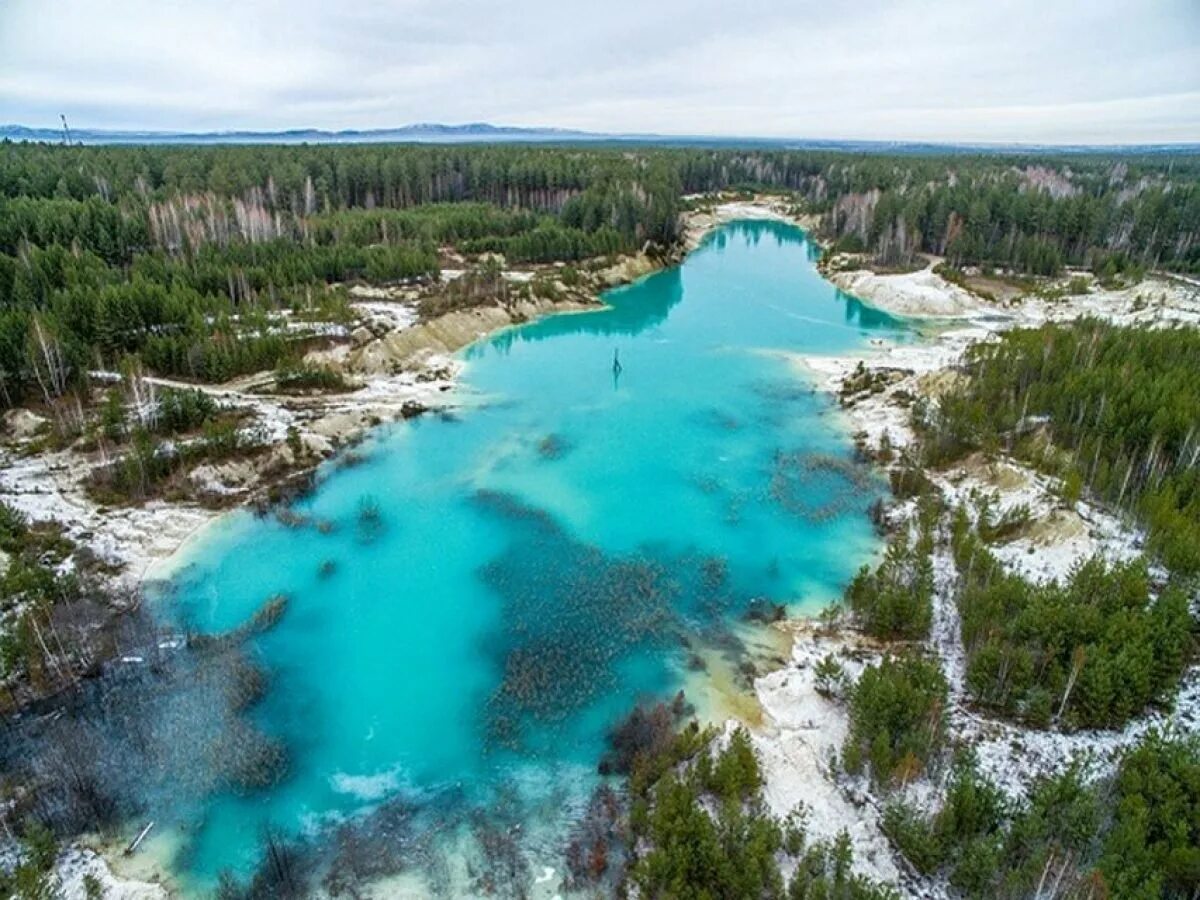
570,612
129,736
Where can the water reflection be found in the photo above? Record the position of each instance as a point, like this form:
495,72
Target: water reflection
622,317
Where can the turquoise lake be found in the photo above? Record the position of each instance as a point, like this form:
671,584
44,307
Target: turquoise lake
502,582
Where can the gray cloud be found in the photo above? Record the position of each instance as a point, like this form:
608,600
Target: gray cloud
1022,70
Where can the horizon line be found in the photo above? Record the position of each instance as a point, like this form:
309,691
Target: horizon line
483,128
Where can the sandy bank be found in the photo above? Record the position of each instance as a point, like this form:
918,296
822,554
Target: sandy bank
802,732
412,347
1159,299
712,215
78,863
914,294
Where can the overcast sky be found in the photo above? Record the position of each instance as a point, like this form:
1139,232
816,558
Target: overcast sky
980,70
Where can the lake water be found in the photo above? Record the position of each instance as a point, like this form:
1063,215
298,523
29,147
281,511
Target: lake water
498,585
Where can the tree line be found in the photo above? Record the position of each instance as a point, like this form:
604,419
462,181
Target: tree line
1108,408
161,250
182,256
1134,834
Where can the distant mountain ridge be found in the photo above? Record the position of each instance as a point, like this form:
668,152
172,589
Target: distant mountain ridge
484,132
422,131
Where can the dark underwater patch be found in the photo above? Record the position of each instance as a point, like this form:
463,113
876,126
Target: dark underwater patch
817,487
165,723
571,614
554,447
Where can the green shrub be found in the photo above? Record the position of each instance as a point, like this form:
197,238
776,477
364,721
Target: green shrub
1092,652
896,719
180,411
305,377
895,601
1153,847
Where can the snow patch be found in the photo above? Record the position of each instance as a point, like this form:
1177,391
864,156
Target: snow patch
802,733
77,863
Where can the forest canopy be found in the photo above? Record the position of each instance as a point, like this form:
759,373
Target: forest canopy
1114,409
169,252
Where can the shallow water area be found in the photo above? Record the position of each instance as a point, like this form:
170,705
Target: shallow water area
473,603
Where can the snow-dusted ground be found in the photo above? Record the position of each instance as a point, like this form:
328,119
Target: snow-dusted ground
394,316
926,294
49,487
1058,538
75,863
801,734
801,728
1012,756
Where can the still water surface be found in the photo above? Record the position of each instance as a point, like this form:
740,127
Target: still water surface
545,556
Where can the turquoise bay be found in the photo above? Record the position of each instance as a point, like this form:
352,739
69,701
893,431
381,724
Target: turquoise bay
503,582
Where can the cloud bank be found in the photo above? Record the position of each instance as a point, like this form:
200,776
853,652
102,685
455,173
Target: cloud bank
1024,70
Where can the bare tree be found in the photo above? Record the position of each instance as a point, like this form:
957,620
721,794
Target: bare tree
142,395
1077,660
49,363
